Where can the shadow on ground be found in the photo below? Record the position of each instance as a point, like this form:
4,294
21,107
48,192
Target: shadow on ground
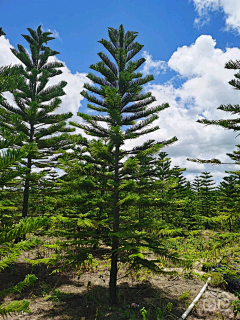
61,296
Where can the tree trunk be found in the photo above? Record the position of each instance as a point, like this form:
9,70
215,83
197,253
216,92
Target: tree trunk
25,198
99,216
115,240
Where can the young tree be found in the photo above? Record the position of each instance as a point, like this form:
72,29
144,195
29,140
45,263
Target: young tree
163,166
228,201
121,85
31,117
167,181
207,196
181,198
195,187
85,197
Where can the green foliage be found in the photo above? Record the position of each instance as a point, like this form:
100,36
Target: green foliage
186,298
9,254
14,307
236,304
129,200
111,173
26,225
33,119
217,280
29,280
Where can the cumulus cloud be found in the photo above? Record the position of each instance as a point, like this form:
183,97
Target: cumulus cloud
231,9
205,87
151,66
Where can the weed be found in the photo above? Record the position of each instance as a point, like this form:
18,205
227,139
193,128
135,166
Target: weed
143,312
217,280
186,297
236,305
57,296
45,288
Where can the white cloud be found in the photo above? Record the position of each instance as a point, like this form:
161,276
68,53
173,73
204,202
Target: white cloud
204,89
154,66
231,9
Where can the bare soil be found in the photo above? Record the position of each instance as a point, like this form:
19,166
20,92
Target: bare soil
62,296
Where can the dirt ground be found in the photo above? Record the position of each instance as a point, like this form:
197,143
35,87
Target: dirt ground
62,296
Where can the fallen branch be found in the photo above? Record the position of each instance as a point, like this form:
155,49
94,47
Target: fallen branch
185,314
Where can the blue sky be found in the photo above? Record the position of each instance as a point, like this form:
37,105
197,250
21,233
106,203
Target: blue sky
162,27
186,44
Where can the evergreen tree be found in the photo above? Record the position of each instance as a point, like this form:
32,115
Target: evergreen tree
10,252
207,196
166,182
148,180
10,76
235,155
195,187
10,158
163,166
85,197
144,184
182,199
31,117
120,86
228,201
191,219
179,190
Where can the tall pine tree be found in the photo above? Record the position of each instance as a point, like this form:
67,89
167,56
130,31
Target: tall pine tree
121,85
9,158
31,117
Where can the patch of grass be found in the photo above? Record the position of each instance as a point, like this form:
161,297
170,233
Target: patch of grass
186,298
57,296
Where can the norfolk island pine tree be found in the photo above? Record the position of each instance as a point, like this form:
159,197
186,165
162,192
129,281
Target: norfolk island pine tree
10,157
118,89
228,202
9,80
34,119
